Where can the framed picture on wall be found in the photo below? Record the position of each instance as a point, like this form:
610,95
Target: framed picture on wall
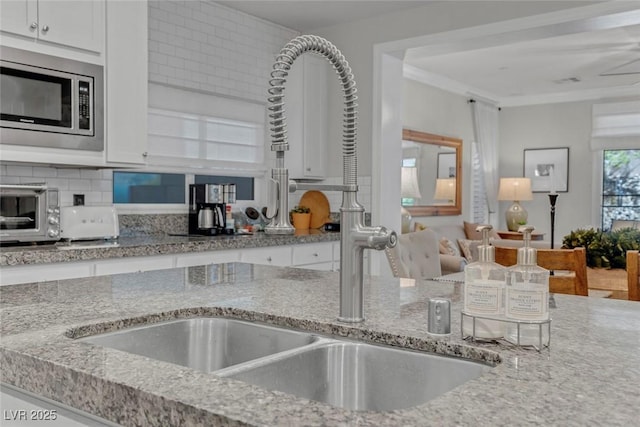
548,169
446,165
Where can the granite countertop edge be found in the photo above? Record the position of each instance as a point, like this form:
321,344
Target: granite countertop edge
150,245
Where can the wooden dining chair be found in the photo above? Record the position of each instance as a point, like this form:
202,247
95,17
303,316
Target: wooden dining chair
574,261
633,275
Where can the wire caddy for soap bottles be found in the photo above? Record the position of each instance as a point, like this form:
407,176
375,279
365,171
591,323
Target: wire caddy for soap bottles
542,324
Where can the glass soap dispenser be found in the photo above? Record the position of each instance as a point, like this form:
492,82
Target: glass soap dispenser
527,296
484,286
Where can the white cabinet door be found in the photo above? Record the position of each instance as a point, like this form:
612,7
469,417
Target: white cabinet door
126,82
134,264
315,144
313,253
279,256
306,110
77,24
15,274
19,17
206,258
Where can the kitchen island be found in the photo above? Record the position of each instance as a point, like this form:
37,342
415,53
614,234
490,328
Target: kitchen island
588,376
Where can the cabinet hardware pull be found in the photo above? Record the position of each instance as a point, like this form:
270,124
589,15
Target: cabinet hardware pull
33,25
269,259
45,28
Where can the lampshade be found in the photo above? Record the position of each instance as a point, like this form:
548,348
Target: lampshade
445,189
409,186
515,189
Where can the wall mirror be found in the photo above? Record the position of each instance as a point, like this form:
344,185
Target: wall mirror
431,174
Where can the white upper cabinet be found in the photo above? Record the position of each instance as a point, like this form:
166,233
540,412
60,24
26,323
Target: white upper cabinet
19,17
126,82
76,24
306,107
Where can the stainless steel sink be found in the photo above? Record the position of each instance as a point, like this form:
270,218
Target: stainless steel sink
205,344
342,373
360,376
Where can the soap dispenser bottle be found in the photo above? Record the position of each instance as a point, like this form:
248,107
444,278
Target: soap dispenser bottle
484,287
527,296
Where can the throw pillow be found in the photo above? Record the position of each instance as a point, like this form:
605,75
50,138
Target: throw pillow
470,249
472,234
447,247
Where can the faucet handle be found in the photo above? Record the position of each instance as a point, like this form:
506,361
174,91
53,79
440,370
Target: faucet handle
382,238
272,197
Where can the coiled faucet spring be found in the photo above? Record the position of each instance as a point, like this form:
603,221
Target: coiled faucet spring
281,68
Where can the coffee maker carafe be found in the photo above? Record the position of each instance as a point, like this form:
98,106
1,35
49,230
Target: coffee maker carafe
206,213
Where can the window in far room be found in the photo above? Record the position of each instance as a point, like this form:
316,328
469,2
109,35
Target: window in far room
621,186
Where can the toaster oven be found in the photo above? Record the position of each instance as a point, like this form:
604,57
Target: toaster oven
29,213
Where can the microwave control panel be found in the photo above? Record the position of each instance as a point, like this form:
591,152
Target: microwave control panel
84,105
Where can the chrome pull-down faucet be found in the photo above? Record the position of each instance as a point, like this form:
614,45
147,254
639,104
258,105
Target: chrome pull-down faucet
354,235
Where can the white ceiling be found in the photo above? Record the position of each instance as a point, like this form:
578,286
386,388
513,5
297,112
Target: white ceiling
580,65
307,15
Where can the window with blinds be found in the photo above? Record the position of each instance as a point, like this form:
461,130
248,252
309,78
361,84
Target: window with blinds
201,140
195,130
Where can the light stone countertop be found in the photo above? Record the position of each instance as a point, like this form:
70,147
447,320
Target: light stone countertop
152,244
589,375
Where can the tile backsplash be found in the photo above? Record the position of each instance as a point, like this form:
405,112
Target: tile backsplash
94,184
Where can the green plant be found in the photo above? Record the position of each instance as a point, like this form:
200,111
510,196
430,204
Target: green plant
604,249
300,209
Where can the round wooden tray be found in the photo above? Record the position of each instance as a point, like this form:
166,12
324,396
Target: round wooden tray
319,205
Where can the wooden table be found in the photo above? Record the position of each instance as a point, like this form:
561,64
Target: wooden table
514,235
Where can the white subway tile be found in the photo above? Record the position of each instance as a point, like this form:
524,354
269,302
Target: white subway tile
39,171
93,198
60,183
19,170
101,185
68,173
79,184
91,173
66,198
3,170
10,180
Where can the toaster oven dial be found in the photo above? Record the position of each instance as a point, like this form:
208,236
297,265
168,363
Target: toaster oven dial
54,233
53,220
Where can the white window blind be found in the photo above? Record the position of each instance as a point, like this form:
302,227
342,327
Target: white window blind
197,130
615,125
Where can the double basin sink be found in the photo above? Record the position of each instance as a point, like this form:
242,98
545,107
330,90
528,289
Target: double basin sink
342,373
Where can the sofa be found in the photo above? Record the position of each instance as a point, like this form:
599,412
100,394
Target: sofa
459,244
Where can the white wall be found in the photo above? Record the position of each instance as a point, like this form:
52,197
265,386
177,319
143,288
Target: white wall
432,110
549,126
356,40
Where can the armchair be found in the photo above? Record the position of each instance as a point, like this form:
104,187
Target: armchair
416,256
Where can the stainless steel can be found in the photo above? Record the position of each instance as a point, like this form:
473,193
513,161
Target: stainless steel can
439,322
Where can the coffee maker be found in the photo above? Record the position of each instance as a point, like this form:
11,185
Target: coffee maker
207,209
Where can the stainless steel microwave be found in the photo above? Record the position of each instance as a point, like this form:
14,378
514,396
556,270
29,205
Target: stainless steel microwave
29,213
47,101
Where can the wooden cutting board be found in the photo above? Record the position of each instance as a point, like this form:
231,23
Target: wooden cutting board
317,202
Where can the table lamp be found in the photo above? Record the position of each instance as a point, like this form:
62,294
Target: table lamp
515,189
409,189
445,190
